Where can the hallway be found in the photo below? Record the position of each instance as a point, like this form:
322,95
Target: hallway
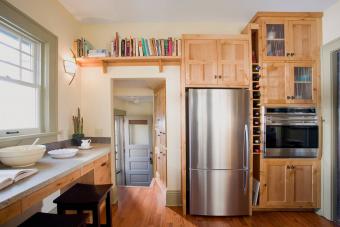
145,206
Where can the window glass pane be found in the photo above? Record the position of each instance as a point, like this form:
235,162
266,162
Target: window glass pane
27,76
7,70
27,61
139,134
27,47
9,54
19,106
10,39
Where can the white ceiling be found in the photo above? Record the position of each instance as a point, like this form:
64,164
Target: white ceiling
106,11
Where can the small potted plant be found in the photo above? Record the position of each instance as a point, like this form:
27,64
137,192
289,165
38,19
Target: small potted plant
78,124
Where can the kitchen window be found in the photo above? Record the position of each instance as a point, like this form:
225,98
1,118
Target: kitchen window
20,83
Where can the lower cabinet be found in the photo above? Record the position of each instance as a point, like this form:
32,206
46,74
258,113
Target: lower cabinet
102,170
290,183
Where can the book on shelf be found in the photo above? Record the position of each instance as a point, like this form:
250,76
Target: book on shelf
81,47
8,177
139,47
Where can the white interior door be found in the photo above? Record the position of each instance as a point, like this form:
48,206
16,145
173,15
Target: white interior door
138,152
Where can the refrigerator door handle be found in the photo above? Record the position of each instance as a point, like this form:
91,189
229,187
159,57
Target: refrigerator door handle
246,150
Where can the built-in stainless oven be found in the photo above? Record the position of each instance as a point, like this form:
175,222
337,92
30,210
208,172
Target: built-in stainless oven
291,133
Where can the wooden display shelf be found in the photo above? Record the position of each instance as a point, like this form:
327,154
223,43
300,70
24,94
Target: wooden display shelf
104,62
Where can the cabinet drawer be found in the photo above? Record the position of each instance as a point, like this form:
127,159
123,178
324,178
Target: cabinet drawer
102,171
87,168
10,212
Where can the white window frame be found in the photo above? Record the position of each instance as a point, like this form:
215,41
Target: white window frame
36,84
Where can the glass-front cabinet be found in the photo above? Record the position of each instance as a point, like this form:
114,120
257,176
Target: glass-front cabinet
302,82
274,39
290,39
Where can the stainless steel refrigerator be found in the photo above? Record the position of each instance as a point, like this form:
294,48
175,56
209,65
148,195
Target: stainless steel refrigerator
218,150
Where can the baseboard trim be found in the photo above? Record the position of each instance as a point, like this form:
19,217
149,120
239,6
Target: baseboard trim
173,198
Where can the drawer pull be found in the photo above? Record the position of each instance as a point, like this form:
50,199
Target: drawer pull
103,164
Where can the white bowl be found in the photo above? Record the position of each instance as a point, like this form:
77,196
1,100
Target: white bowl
22,156
63,153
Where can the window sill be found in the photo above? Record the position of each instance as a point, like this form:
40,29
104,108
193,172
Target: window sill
24,137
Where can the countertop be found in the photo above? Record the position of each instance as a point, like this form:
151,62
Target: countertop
49,170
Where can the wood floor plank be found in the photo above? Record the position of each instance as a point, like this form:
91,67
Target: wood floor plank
145,206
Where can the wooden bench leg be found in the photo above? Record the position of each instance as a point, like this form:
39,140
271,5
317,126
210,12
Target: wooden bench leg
108,210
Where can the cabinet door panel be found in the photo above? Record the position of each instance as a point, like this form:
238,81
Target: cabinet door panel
302,83
201,62
305,183
303,42
275,180
274,37
233,62
274,83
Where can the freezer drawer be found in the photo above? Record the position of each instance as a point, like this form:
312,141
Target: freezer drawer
219,192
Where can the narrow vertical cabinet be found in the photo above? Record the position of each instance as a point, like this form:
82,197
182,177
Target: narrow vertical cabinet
290,183
160,134
216,61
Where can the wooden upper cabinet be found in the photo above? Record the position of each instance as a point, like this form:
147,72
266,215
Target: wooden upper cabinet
303,40
290,39
274,39
217,60
274,83
201,62
233,62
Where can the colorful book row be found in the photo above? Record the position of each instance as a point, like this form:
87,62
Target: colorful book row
138,47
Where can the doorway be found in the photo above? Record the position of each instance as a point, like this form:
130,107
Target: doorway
140,132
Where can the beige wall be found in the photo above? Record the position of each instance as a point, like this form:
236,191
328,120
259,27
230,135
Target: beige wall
96,90
52,15
331,21
100,35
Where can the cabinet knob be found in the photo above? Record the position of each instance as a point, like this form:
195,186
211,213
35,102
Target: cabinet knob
288,167
215,76
288,54
288,97
293,97
292,54
292,167
220,77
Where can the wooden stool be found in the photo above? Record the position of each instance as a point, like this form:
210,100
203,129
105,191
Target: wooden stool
54,220
82,197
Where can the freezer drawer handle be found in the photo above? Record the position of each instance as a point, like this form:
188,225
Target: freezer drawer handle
245,181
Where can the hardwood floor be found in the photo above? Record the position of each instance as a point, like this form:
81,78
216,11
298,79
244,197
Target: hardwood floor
143,206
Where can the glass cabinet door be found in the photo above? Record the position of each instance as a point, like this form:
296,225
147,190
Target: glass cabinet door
303,84
274,40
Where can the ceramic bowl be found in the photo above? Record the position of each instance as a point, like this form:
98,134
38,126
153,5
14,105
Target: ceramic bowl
22,156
